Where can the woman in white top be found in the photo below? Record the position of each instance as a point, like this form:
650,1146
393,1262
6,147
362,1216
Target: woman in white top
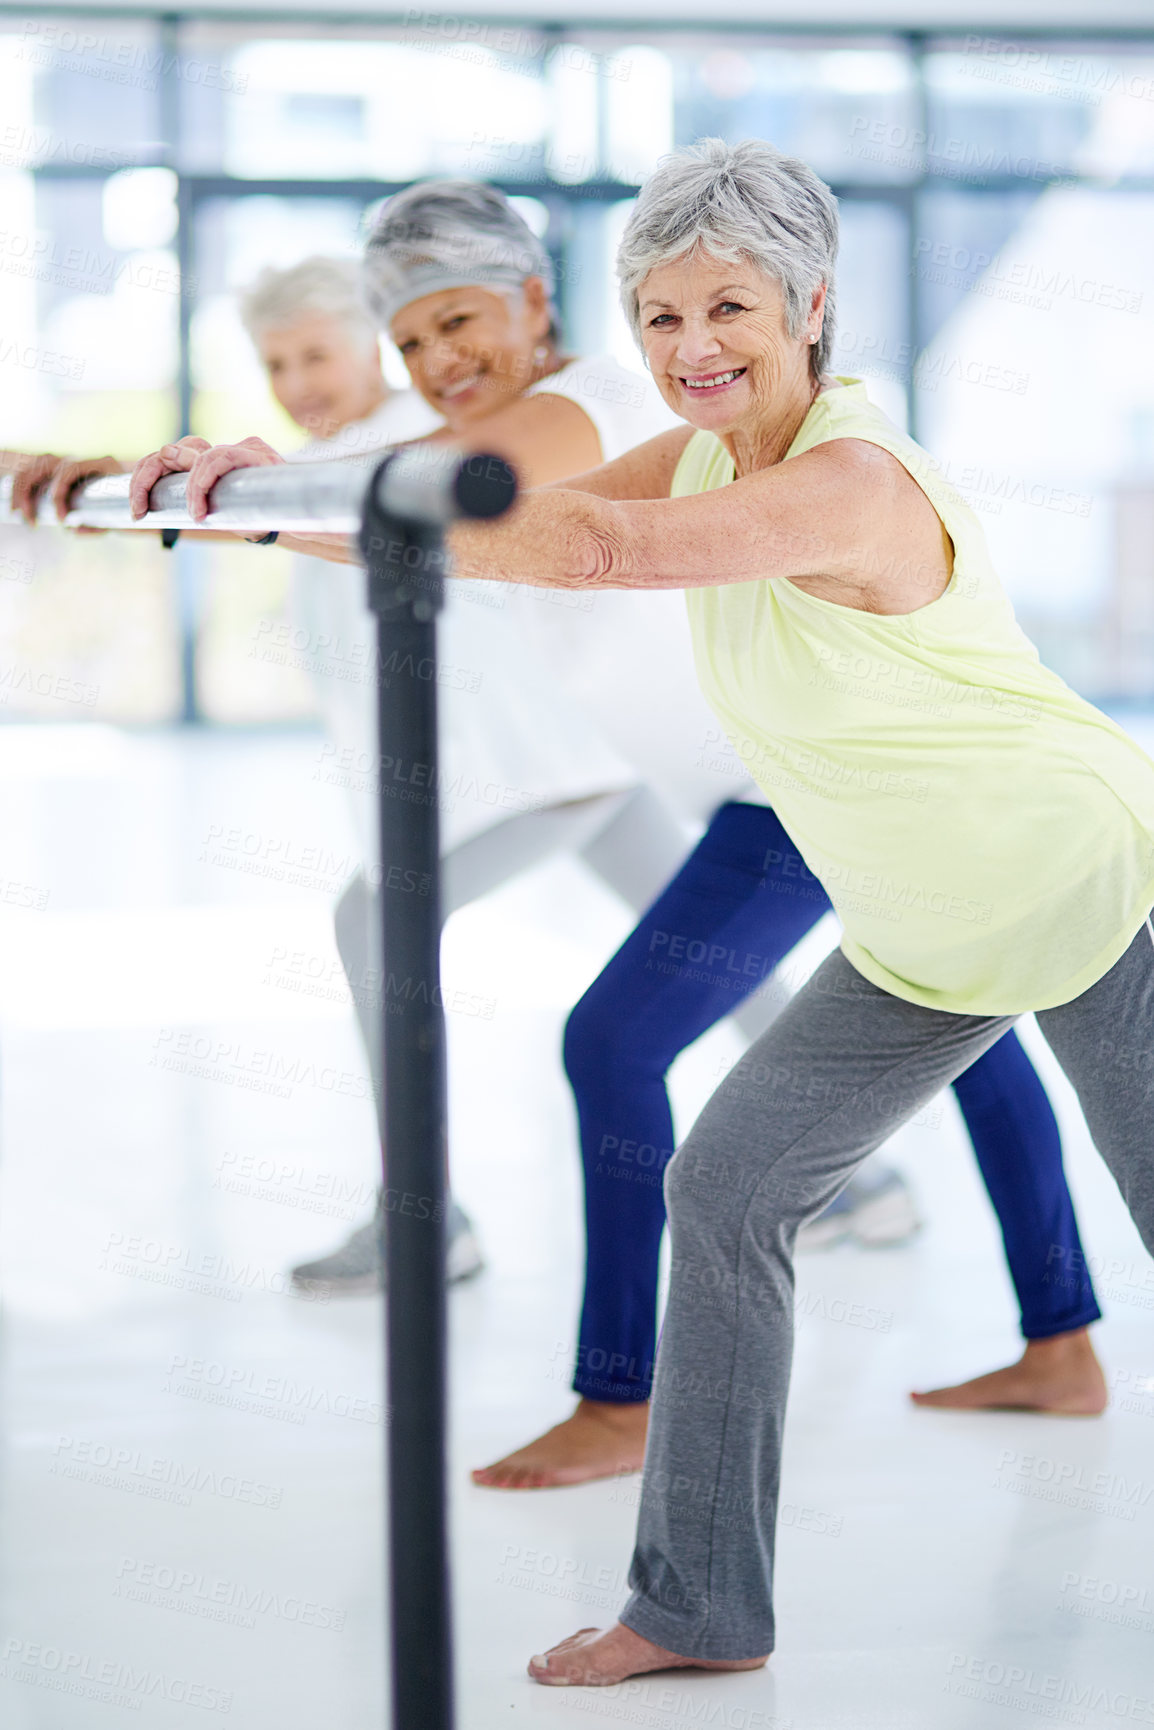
547,735
528,769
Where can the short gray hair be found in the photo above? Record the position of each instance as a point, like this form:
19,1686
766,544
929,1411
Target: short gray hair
448,234
737,201
330,287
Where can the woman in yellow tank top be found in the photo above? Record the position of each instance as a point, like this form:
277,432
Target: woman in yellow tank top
854,640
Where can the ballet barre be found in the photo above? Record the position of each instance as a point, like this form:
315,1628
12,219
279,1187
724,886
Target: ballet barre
302,498
399,510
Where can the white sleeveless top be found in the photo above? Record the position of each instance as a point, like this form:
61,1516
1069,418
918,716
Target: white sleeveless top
544,697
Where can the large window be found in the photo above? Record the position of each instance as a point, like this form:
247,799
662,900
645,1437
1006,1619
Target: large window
996,279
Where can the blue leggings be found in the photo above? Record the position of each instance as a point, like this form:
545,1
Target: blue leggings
740,902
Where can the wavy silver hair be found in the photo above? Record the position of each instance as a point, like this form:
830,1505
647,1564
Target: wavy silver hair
327,286
737,201
448,234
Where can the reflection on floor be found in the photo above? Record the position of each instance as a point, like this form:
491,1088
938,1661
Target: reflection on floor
190,1484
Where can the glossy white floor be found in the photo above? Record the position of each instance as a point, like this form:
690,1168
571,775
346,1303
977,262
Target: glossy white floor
190,1478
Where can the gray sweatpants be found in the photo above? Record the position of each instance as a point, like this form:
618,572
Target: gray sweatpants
843,1066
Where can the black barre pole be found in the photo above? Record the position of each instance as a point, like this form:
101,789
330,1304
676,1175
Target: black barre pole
413,495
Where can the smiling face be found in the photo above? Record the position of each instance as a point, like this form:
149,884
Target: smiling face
321,374
715,337
471,350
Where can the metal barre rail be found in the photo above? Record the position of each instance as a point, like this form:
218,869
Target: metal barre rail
322,498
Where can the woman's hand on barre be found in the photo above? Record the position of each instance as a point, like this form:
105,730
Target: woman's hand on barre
203,463
33,475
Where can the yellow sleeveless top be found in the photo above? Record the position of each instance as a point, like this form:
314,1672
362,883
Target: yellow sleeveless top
985,835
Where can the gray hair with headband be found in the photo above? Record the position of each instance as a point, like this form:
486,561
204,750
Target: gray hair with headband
448,234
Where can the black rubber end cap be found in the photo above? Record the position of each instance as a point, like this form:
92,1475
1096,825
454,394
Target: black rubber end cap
485,487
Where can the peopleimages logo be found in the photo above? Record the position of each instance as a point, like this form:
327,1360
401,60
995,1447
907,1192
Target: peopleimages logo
154,1476
1079,77
61,46
974,1678
108,1680
188,1591
43,257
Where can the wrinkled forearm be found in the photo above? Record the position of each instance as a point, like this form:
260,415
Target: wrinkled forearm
550,539
553,539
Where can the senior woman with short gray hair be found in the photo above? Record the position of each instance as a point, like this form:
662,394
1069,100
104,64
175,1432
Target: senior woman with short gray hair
849,630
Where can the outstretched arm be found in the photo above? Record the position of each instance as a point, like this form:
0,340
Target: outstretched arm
845,519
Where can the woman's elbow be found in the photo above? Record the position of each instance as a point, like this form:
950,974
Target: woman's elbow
602,555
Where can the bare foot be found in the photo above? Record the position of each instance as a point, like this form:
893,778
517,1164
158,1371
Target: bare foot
596,1658
600,1440
1060,1375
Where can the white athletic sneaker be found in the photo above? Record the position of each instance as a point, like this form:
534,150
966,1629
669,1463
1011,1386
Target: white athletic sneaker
359,1264
876,1209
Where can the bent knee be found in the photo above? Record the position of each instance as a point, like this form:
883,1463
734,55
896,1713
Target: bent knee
701,1182
601,1039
